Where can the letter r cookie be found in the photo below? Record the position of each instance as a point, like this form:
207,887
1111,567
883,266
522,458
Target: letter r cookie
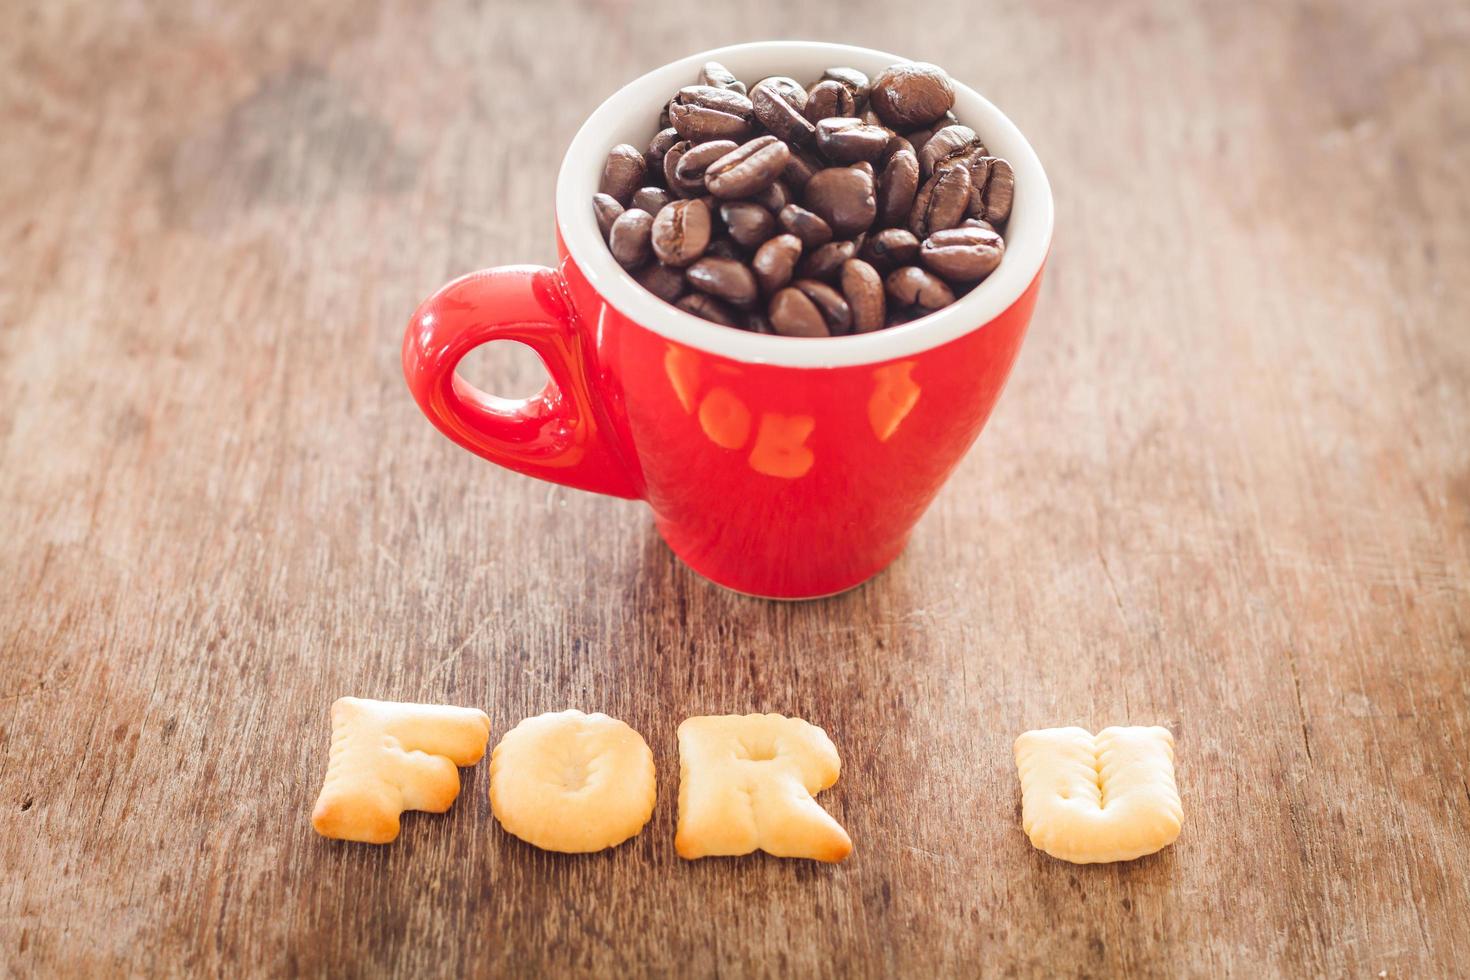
388,757
1090,799
746,784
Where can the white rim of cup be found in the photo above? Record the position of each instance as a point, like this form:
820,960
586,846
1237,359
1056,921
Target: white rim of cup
629,116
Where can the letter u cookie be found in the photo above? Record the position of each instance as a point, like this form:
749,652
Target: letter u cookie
1091,799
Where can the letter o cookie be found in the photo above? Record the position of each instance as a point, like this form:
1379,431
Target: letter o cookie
571,782
1091,799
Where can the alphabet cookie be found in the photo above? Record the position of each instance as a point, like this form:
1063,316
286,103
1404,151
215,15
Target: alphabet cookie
746,784
565,781
1090,799
388,757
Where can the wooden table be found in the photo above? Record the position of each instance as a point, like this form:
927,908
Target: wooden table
1227,491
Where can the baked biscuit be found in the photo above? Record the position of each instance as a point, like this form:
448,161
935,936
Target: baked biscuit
1090,799
570,782
746,784
389,757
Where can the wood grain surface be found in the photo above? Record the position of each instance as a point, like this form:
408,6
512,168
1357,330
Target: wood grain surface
1228,491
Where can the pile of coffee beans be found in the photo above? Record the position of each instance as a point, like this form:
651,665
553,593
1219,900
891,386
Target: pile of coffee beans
841,207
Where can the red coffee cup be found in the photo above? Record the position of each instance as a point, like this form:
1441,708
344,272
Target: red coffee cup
783,467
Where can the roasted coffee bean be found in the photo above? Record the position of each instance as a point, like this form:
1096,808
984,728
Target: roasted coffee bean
890,248
773,198
961,255
844,139
826,262
788,88
664,281
707,307
652,199
607,209
866,168
978,223
681,232
911,95
710,97
856,82
697,159
896,144
747,223
834,309
812,229
700,125
845,199
672,159
947,143
862,287
622,174
727,279
716,74
993,186
629,239
793,314
942,201
897,186
827,99
775,261
747,169
800,168
912,286
780,116
657,147
870,117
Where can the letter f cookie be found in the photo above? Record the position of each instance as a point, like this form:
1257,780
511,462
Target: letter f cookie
389,757
746,784
1090,799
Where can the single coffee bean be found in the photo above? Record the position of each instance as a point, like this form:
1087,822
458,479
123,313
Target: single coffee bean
868,169
826,262
962,255
622,173
947,143
897,186
845,199
715,74
629,239
726,279
707,307
826,99
778,115
697,159
862,287
672,159
792,314
942,201
773,198
747,223
911,95
844,139
747,169
775,261
912,286
813,230
993,187
800,168
890,248
651,199
856,82
978,223
657,147
788,88
681,232
834,309
663,281
700,125
710,97
607,209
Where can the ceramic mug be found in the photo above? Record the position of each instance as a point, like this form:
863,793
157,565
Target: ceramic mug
783,467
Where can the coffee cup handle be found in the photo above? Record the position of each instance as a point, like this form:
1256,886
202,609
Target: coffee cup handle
561,434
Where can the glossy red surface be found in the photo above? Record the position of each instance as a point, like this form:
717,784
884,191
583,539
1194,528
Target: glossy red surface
788,482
